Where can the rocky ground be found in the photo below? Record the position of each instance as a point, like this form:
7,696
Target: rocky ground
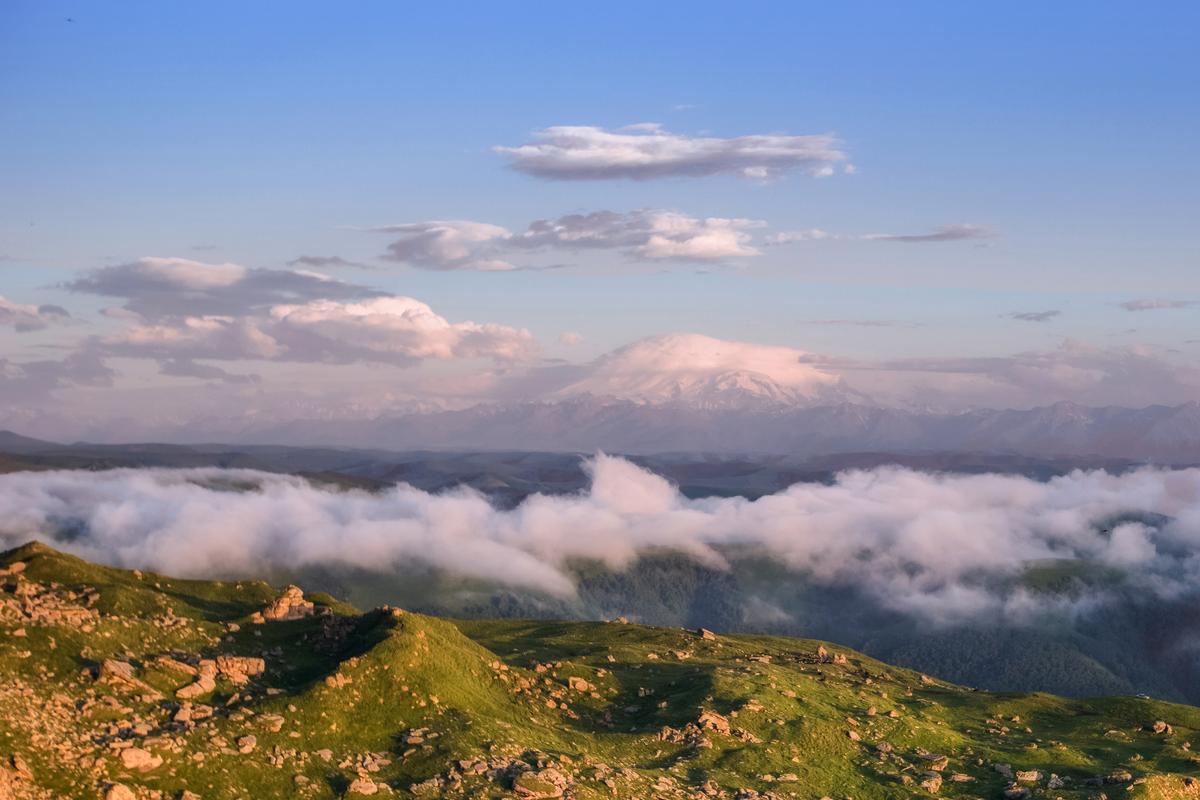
120,685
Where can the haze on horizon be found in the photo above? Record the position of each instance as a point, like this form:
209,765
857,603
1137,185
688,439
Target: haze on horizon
274,212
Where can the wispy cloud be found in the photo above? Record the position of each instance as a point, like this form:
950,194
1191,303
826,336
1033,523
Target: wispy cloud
862,323
326,262
1157,304
646,151
1034,316
945,233
791,237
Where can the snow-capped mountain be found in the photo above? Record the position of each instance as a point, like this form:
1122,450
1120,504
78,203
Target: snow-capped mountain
702,372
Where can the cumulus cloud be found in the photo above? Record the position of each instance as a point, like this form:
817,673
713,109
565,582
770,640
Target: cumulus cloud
181,312
646,151
155,287
570,338
392,330
447,245
945,233
641,235
1034,316
942,548
24,318
1157,304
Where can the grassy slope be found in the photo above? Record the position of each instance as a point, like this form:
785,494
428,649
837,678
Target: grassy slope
402,698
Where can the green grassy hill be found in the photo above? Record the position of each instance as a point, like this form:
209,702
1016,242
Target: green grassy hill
121,685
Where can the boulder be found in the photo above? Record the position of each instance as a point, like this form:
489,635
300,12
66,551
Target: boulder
931,782
713,722
546,783
240,669
118,791
206,681
362,786
139,759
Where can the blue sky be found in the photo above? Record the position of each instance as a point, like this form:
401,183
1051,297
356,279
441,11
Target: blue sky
254,133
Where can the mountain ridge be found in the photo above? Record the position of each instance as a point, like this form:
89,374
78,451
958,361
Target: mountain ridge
128,685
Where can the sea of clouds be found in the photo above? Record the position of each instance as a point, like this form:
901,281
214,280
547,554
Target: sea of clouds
936,546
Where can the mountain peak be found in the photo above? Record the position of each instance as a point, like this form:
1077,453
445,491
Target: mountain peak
699,370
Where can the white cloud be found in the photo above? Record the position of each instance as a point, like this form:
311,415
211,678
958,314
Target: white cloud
209,337
570,338
641,235
181,312
646,234
646,151
393,328
24,318
447,244
390,330
155,287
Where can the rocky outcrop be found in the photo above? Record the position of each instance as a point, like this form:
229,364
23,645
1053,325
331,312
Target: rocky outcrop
288,606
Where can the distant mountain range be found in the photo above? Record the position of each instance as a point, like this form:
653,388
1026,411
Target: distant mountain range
584,423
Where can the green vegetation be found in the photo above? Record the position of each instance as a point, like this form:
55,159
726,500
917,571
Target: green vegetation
93,661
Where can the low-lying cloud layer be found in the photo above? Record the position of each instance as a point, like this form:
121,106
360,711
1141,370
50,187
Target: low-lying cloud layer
943,548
